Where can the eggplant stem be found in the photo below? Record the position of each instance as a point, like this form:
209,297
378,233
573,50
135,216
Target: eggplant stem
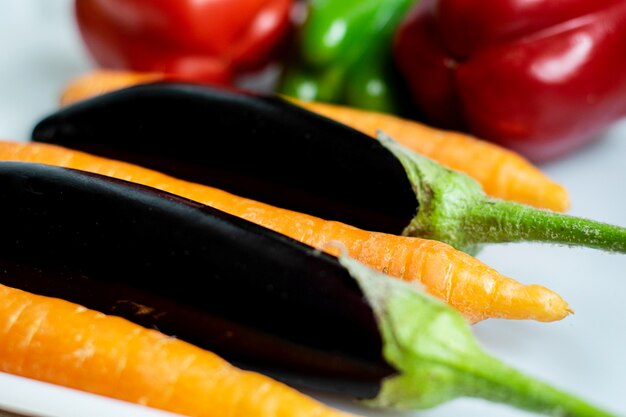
453,208
497,221
437,357
503,384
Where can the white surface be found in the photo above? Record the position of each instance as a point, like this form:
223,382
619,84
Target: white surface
584,354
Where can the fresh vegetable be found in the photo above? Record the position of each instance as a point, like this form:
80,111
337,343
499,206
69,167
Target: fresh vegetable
540,77
270,150
502,173
59,342
212,41
467,284
259,298
343,54
286,155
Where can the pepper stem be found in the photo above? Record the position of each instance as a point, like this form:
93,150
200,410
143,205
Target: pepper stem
437,357
454,209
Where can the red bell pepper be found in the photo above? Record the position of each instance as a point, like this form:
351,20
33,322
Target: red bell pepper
542,77
211,41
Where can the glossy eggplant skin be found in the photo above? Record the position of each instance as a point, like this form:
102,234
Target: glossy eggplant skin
257,298
257,146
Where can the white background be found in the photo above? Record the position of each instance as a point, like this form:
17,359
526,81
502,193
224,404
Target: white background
40,51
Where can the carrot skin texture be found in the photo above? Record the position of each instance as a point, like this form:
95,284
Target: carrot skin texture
462,281
501,172
63,343
149,256
255,146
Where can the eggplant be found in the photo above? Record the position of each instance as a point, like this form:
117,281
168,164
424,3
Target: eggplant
286,156
260,299
264,147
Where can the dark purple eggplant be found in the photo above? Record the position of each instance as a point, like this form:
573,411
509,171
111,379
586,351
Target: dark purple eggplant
286,156
260,299
265,148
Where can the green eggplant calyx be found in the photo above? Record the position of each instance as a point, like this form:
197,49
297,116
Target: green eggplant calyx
444,198
454,209
438,358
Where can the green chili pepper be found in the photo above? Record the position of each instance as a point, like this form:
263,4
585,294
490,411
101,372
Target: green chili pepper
343,54
438,358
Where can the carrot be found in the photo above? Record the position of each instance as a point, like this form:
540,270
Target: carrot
501,172
103,81
55,341
472,287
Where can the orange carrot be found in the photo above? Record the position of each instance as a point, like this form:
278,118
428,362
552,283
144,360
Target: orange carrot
62,343
103,81
501,172
475,289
